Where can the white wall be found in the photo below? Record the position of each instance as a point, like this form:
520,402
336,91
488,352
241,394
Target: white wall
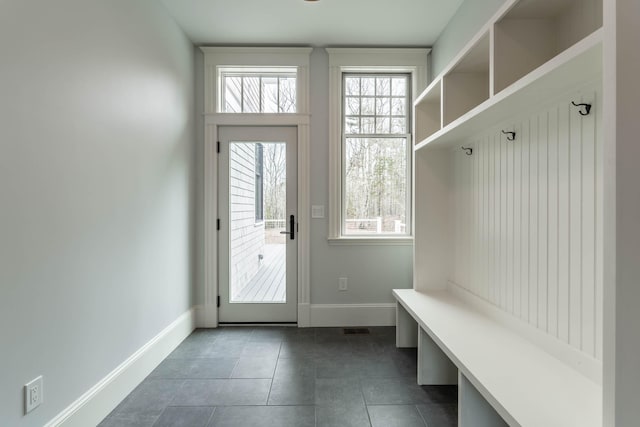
372,270
96,191
527,219
467,21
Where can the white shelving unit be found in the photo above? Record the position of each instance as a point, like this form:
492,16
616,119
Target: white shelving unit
571,68
467,85
533,50
428,112
522,218
535,31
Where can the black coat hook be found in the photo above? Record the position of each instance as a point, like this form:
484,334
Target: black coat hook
468,150
586,108
511,136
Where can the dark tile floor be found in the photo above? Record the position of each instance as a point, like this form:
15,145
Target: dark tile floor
287,377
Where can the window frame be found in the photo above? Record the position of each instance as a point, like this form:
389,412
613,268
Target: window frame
408,152
412,61
256,72
212,121
251,58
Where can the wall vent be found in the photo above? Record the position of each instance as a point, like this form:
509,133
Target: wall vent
356,331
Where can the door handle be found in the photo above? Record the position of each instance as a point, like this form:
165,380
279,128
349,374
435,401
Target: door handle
292,228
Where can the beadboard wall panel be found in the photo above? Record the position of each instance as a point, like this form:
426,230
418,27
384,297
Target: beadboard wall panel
528,220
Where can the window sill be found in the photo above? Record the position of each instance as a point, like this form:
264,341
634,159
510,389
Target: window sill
371,241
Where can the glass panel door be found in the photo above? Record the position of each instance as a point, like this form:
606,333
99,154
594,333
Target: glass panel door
258,266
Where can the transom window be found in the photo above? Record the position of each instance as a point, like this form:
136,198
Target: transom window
376,153
258,90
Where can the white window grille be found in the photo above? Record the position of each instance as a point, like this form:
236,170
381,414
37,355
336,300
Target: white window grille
258,90
376,153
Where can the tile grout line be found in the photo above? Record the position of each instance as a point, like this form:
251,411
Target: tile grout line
351,344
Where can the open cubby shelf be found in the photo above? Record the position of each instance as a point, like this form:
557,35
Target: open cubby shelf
579,64
534,31
467,84
428,113
534,49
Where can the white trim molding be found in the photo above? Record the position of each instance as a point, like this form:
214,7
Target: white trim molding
94,405
254,57
372,241
304,315
410,60
208,312
338,315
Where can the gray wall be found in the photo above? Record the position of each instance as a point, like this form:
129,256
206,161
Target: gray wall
622,66
96,191
372,270
467,21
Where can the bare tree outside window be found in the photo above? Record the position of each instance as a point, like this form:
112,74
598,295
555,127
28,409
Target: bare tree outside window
275,181
375,153
275,191
258,92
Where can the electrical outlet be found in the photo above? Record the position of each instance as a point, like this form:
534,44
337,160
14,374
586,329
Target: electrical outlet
33,395
342,284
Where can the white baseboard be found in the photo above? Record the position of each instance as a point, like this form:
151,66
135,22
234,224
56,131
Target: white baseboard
304,315
352,314
310,315
102,398
206,316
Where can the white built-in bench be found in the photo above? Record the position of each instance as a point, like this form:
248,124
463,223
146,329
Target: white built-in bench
503,378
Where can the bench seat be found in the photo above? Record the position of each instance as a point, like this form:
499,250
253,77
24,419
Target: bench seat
524,384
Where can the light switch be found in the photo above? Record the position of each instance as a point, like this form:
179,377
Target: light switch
317,211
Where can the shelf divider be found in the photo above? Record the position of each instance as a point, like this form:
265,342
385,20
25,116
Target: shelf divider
575,66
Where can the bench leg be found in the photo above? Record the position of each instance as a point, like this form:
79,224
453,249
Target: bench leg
473,408
406,328
434,367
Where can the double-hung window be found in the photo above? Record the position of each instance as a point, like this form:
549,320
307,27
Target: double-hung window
371,142
376,154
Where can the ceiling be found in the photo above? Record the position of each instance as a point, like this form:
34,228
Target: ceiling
320,23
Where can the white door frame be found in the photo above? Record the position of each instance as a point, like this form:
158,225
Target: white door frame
257,311
207,313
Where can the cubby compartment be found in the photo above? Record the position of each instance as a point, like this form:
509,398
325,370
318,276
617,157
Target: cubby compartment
428,112
466,85
535,31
